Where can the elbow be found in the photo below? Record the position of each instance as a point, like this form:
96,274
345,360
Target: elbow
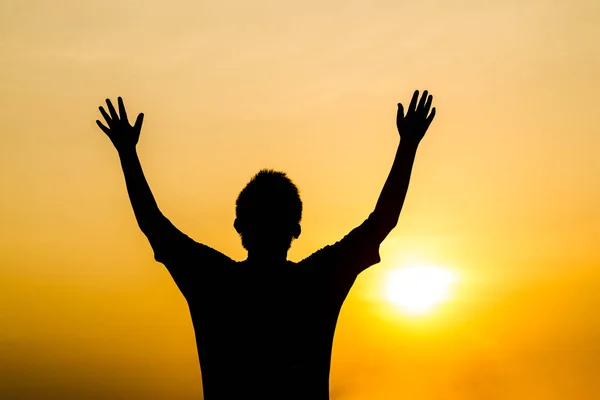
382,229
386,229
383,223
152,223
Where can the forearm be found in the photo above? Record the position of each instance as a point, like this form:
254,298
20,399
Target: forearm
147,213
391,199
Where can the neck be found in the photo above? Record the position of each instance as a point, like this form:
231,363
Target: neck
271,257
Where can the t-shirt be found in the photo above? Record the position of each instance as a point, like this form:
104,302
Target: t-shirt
266,331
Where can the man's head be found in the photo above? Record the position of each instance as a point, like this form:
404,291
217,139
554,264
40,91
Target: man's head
268,212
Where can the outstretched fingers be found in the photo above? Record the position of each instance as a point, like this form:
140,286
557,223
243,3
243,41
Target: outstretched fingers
431,116
111,110
122,111
104,128
413,102
400,115
107,118
427,105
422,100
138,122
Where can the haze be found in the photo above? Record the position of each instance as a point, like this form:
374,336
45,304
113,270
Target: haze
504,191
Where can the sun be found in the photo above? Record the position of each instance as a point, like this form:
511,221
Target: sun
417,289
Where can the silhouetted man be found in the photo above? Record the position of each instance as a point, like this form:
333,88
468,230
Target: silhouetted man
264,326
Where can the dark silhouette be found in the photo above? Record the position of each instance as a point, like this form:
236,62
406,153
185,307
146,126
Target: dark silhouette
264,326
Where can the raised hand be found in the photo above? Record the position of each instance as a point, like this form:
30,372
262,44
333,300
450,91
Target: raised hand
123,136
413,125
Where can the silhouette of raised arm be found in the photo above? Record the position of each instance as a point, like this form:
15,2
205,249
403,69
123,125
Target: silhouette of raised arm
412,126
124,137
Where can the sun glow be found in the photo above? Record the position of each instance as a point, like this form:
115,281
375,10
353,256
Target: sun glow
417,289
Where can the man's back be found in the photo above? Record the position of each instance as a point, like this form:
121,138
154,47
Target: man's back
260,332
266,331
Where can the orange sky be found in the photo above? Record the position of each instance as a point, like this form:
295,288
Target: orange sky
503,190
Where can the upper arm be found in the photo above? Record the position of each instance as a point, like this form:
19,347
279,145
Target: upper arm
354,253
186,260
359,249
341,262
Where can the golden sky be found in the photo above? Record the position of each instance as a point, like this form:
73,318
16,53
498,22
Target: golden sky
503,191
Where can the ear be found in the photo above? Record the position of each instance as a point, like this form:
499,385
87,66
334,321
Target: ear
297,231
238,226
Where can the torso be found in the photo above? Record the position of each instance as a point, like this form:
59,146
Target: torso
266,334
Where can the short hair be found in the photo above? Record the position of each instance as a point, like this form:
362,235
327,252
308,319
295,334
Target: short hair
270,192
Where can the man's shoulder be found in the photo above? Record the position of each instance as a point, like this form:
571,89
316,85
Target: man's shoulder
319,257
204,253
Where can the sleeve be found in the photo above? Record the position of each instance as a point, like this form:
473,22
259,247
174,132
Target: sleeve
187,261
344,260
357,251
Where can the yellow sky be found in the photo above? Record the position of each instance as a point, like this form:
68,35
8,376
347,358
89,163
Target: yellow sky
504,188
